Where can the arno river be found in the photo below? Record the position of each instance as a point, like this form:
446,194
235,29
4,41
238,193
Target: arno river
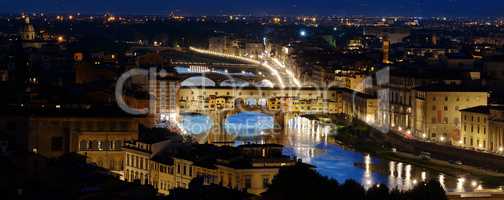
307,140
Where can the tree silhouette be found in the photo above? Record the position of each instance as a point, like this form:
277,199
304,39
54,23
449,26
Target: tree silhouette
378,192
300,182
199,191
428,191
352,190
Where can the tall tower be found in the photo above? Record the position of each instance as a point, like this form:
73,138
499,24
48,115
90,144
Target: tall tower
28,31
434,40
386,50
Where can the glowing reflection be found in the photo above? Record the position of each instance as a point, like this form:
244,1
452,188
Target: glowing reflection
460,184
307,140
424,176
391,179
304,134
368,179
442,181
407,178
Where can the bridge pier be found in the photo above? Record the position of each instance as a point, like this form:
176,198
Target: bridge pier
218,135
282,120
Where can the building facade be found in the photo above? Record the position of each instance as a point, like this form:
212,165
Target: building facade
483,128
438,116
191,99
247,168
360,106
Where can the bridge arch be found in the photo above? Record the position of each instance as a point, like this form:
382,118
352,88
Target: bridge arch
198,81
251,101
234,83
262,102
265,84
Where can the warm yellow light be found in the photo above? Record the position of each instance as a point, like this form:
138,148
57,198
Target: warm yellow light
61,39
263,64
474,183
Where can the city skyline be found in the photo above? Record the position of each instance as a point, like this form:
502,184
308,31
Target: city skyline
420,8
252,100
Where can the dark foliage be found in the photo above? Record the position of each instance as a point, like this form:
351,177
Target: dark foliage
300,182
67,177
378,192
427,191
198,191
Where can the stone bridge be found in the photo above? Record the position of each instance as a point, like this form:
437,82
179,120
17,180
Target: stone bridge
283,104
218,134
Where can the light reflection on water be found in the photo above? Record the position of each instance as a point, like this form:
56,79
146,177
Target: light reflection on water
308,140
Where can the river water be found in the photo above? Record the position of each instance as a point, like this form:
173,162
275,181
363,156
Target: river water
308,140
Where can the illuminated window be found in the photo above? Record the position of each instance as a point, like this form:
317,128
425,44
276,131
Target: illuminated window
83,145
248,181
265,181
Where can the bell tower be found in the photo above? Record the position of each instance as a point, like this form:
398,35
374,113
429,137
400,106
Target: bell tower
386,50
28,32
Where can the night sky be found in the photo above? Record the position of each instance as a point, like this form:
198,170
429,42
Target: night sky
471,8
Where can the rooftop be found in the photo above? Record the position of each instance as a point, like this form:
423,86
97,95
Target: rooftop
209,156
484,109
155,135
74,110
452,88
357,93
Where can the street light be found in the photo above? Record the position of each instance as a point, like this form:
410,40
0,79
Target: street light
61,39
474,183
442,138
302,33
